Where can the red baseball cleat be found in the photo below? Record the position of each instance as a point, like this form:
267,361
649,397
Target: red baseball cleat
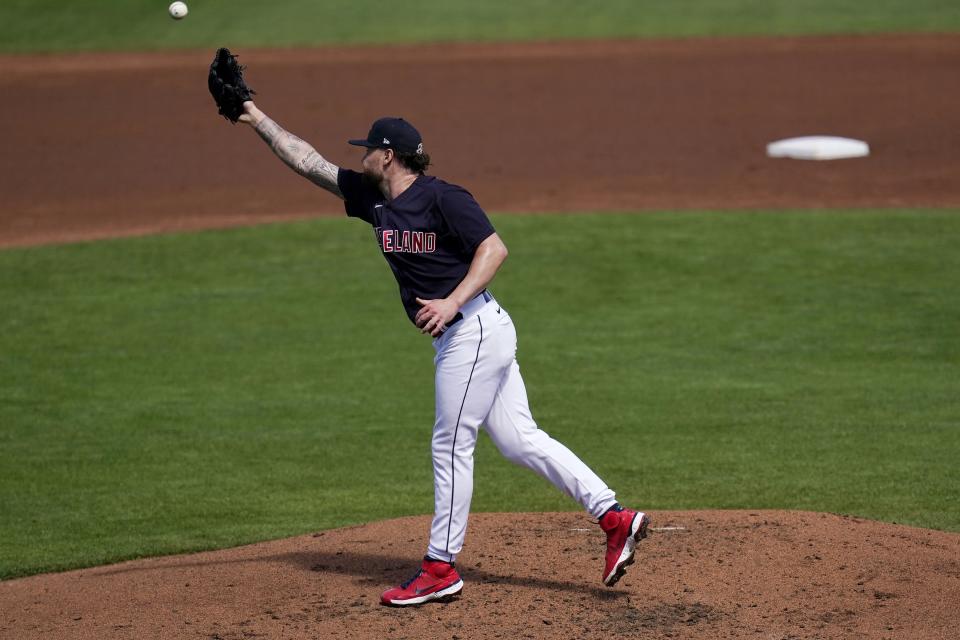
435,580
624,530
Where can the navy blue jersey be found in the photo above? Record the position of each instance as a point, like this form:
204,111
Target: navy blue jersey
428,234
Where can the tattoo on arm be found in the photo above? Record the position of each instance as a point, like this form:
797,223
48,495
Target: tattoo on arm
269,130
318,170
300,156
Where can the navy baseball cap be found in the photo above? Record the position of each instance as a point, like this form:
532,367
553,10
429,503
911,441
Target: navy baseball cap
392,133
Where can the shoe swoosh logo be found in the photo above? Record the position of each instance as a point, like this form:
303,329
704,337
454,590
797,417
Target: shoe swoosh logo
432,589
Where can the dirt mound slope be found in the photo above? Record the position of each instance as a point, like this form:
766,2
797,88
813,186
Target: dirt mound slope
104,144
706,574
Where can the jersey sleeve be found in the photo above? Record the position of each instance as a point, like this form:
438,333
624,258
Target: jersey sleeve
465,218
358,197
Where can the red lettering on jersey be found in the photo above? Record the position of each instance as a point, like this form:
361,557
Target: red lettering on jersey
396,241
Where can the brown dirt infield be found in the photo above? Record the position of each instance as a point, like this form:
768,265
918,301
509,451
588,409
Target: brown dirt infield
99,145
740,574
104,145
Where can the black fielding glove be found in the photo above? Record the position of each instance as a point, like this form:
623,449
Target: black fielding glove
227,86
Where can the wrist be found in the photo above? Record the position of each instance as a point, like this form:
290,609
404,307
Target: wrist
256,117
460,298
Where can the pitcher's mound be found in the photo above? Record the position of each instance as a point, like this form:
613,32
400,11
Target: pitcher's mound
709,574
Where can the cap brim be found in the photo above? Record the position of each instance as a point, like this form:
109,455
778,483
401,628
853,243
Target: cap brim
362,143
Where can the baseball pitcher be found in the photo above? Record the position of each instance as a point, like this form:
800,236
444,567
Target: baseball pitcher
444,254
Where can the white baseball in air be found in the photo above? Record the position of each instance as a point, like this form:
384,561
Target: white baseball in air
178,10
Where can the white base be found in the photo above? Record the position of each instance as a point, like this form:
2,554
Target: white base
818,148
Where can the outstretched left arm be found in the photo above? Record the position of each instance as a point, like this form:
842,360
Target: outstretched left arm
295,153
435,314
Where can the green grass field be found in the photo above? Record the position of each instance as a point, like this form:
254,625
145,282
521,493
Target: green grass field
183,392
58,25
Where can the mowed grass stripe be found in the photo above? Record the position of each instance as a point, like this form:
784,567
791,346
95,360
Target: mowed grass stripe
185,392
61,25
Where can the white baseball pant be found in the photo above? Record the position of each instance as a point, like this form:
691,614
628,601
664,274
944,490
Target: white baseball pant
478,383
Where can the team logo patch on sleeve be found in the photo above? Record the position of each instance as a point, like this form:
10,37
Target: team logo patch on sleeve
396,241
